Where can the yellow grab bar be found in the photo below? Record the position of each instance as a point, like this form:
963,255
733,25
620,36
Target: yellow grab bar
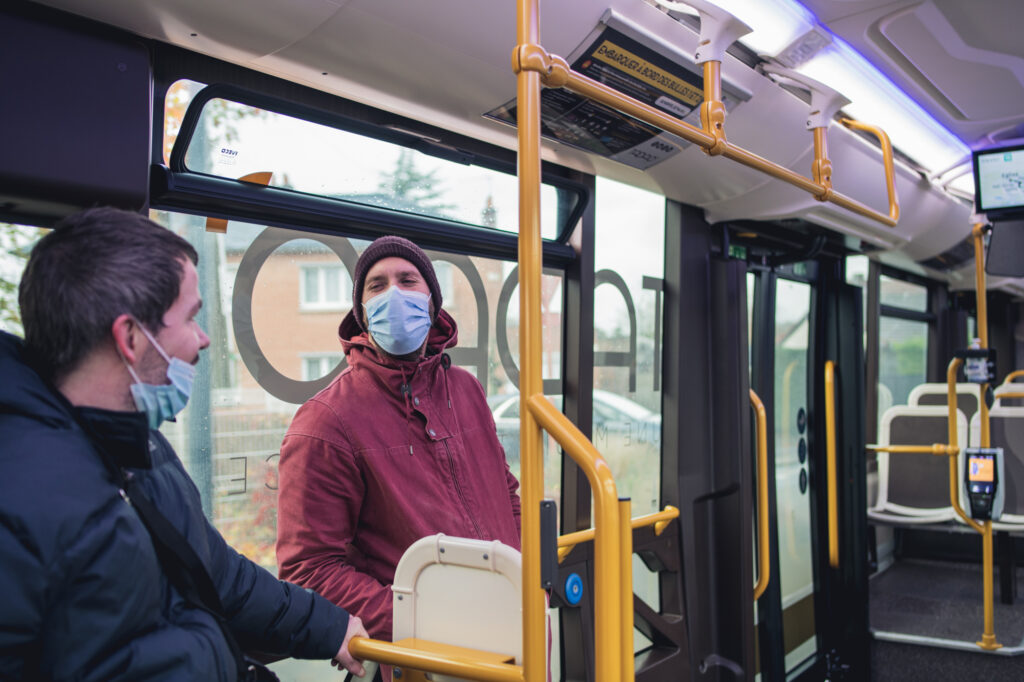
626,595
933,449
659,520
830,465
432,657
609,581
556,73
764,566
1010,394
890,180
1013,375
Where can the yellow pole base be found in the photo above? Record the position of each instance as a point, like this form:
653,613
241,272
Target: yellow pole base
989,643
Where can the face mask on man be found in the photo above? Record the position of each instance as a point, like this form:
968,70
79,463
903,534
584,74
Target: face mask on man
398,320
162,402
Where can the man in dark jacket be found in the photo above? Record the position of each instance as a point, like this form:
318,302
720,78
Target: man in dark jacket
399,446
108,301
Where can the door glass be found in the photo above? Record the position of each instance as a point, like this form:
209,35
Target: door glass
792,483
627,352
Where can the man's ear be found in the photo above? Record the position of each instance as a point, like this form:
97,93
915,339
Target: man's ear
125,331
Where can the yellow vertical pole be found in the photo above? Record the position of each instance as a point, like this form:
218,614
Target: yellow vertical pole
988,638
530,345
626,594
830,464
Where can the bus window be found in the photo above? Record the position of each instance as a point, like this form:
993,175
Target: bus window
902,341
627,350
15,244
232,140
902,360
273,326
900,294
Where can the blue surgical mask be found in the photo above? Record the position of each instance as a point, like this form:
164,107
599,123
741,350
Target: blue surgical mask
162,402
398,320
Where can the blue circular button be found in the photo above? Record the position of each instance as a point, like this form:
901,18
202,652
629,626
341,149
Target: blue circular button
573,589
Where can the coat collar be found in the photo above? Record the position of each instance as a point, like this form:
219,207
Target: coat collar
124,436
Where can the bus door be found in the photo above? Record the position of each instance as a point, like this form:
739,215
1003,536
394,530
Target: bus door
794,317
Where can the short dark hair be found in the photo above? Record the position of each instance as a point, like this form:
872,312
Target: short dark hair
94,266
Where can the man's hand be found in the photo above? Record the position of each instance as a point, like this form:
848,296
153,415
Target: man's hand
344,659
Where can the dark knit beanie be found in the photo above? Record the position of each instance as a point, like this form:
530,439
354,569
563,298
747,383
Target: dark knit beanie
386,247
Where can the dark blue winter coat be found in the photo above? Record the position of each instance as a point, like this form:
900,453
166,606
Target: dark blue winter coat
82,595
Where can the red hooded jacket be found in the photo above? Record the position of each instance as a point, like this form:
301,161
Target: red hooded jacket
368,468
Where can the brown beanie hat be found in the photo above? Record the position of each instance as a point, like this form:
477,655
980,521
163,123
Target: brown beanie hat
386,247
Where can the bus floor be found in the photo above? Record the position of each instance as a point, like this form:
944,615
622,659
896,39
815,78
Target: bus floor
936,608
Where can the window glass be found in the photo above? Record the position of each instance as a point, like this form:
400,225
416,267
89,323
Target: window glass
902,360
269,353
896,292
16,243
233,140
627,351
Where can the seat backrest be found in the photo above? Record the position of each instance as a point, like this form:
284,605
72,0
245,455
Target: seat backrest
462,592
968,396
1006,426
916,481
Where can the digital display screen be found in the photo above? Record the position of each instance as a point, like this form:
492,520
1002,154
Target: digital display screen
981,470
999,179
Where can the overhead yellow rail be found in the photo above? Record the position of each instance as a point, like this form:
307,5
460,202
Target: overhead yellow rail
554,71
764,566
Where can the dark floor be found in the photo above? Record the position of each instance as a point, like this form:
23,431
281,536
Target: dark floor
943,600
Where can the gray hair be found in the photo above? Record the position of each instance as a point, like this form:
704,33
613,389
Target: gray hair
93,267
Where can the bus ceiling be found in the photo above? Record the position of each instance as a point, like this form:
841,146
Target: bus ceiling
925,60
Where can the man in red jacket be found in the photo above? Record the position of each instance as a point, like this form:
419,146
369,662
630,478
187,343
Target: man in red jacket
399,446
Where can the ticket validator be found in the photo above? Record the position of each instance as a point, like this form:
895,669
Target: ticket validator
982,478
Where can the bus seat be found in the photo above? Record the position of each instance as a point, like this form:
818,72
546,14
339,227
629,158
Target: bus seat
1006,428
914,488
460,592
968,396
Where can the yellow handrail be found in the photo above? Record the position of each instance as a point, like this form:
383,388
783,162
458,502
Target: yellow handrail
883,141
626,595
659,520
830,464
612,579
430,657
764,566
1013,375
530,349
1009,394
609,581
555,72
934,449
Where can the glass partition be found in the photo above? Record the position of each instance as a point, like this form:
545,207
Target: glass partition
629,260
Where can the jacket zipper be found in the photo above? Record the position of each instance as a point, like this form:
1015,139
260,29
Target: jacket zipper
458,489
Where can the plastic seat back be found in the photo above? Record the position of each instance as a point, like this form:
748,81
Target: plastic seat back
461,592
911,486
